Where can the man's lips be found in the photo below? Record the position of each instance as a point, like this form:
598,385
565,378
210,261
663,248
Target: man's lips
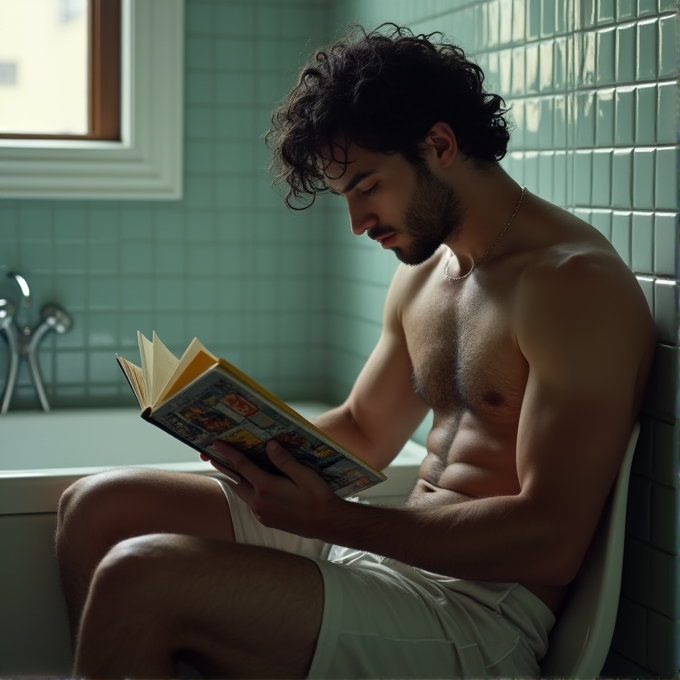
387,241
384,239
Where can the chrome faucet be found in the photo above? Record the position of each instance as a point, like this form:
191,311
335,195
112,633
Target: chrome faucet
23,342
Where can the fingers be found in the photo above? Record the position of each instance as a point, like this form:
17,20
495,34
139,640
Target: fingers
288,464
243,466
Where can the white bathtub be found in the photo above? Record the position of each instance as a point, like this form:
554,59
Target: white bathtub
41,454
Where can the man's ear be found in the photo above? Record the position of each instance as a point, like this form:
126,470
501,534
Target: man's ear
442,141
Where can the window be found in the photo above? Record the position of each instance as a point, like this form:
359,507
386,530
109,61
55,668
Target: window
137,156
67,53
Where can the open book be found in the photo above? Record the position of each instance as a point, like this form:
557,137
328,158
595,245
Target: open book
201,398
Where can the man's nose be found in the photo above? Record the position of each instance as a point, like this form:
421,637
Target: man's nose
360,219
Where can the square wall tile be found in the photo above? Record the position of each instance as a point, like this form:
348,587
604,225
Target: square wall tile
602,178
666,454
606,11
666,245
625,53
642,243
664,380
666,310
646,115
665,536
625,116
606,57
643,179
545,70
548,17
666,179
638,524
665,128
667,46
647,50
622,170
621,235
604,118
585,120
583,177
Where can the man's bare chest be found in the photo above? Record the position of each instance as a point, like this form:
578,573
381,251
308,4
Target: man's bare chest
464,355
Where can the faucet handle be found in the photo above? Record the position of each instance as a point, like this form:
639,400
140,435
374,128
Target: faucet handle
6,313
56,318
23,285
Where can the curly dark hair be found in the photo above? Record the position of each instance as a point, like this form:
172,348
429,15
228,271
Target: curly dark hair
383,91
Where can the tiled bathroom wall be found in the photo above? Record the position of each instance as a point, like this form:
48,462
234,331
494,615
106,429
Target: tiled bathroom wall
296,300
228,263
592,86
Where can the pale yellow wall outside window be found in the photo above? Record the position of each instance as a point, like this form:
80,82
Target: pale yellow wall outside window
44,67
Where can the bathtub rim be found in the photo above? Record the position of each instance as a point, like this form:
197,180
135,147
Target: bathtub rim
33,491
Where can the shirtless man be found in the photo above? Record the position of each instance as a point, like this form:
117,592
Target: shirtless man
517,324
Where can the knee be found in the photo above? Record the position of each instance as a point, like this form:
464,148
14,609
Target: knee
131,575
90,505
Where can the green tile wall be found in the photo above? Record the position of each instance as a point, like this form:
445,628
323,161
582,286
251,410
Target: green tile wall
297,301
593,88
227,263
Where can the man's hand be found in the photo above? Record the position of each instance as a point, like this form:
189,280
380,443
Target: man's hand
294,503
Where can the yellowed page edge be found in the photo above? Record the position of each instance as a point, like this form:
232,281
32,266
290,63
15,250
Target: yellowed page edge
135,377
146,353
164,364
200,364
177,381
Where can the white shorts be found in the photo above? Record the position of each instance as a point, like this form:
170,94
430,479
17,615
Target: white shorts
383,618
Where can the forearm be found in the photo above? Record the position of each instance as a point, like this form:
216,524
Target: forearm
340,424
492,539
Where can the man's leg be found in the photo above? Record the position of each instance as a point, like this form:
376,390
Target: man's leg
234,610
97,512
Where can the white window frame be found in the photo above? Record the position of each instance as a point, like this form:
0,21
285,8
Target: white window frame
147,163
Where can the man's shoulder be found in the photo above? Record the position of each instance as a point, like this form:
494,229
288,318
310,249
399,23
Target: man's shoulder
583,285
569,267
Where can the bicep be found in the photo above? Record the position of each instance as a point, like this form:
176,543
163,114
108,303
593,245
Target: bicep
383,402
383,409
585,359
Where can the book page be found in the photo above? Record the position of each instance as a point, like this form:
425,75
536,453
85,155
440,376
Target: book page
195,360
164,364
218,405
135,377
146,353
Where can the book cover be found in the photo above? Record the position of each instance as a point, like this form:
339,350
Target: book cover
217,401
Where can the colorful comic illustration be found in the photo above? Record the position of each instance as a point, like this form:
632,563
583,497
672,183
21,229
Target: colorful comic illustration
219,407
223,408
182,428
242,439
240,404
208,420
262,420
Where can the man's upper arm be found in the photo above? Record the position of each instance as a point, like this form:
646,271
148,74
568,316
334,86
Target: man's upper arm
586,333
383,404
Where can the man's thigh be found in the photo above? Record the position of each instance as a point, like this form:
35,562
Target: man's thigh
128,502
237,611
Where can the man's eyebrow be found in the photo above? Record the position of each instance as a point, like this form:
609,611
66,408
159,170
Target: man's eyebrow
359,177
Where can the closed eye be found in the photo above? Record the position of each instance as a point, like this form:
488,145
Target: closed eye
371,190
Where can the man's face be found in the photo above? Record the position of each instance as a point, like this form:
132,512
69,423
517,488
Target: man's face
407,210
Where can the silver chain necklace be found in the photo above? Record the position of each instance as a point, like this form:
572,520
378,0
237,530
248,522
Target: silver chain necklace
493,245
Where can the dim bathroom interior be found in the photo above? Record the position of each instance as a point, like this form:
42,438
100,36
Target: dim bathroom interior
292,298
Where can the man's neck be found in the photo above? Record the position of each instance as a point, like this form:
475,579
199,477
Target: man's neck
490,197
